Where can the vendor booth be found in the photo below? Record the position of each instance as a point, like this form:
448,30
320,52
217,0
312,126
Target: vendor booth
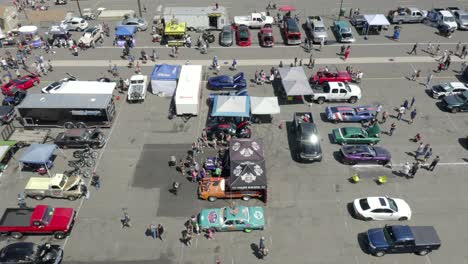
187,95
29,36
295,84
262,108
164,79
374,24
122,33
38,156
57,34
174,33
231,106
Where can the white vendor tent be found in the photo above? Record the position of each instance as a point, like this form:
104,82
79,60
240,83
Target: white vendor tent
164,79
264,105
236,106
187,95
376,20
295,81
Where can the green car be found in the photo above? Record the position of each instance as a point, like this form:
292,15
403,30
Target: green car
239,218
357,135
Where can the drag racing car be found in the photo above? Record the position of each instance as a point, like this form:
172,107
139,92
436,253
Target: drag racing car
361,114
222,82
357,135
239,218
327,76
354,154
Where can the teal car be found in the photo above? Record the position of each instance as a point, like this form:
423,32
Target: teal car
357,135
342,31
239,218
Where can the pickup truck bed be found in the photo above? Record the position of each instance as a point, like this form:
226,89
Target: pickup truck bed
425,236
16,217
24,136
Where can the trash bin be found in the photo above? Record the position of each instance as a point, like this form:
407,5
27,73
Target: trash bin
342,12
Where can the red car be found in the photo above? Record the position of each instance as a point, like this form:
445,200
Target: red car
23,83
327,76
266,36
243,37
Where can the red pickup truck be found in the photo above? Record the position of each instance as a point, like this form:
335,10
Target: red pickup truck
42,219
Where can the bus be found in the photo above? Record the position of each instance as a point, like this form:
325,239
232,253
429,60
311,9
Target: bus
67,110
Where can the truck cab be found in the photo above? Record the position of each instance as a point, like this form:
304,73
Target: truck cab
255,20
215,188
57,186
336,91
137,88
442,17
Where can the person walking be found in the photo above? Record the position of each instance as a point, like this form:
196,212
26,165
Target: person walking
153,231
428,155
457,48
412,116
401,112
429,80
342,50
414,50
96,180
322,43
392,129
463,50
419,150
126,220
262,248
434,163
406,169
346,55
384,117
447,62
426,148
405,104
160,229
414,169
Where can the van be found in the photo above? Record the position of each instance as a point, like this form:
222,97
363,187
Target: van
292,32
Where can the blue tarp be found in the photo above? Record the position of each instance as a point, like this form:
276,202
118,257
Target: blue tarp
125,30
165,72
38,153
231,106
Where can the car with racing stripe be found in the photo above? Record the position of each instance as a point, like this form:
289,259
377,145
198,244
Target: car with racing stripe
361,114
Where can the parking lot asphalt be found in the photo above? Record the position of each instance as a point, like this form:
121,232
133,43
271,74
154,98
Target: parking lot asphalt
308,217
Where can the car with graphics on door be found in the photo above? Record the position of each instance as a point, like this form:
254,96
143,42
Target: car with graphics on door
28,252
381,208
354,154
441,90
361,114
237,218
224,82
357,135
23,83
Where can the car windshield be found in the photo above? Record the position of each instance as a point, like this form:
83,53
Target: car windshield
449,19
392,204
226,35
53,86
462,96
244,35
347,87
346,35
364,204
268,38
89,30
319,29
49,212
371,151
388,233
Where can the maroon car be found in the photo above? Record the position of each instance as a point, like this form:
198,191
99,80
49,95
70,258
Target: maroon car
22,83
353,154
266,36
328,76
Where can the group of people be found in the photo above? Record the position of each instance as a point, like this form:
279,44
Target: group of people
261,76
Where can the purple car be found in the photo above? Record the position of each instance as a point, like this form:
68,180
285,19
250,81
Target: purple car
353,154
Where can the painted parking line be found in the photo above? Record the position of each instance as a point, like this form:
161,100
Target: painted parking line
401,164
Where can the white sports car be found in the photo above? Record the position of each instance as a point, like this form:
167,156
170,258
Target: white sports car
381,208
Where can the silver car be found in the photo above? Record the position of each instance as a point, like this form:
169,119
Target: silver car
316,29
226,36
140,23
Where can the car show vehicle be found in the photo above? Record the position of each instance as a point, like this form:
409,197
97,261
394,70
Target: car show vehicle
174,33
214,188
342,31
316,28
54,86
291,31
7,151
22,83
137,88
75,23
67,110
381,208
241,130
255,20
81,138
336,91
357,135
402,239
354,154
57,186
15,99
327,76
361,114
30,253
441,16
243,37
266,36
223,82
91,36
307,137
226,36
140,23
456,103
57,35
238,218
7,113
406,15
461,17
441,90
41,219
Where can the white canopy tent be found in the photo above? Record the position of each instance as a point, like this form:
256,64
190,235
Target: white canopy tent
295,81
376,20
264,105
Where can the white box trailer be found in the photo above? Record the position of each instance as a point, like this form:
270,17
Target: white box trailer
85,87
198,17
187,95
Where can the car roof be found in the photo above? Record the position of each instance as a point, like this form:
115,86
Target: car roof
445,13
352,130
342,109
336,85
377,202
356,149
458,85
75,132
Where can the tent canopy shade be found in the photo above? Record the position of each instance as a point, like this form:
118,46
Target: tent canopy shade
247,165
376,20
264,105
125,30
237,106
38,153
295,81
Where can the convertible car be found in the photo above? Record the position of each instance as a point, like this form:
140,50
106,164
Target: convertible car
353,154
361,114
239,218
22,83
357,135
227,82
327,76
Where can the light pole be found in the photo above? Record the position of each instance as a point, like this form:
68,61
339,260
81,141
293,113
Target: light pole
339,11
139,8
79,7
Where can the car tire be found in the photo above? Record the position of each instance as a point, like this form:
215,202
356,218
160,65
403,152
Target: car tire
246,198
16,235
423,252
38,197
78,29
69,125
59,235
352,100
80,125
212,198
379,253
320,100
403,218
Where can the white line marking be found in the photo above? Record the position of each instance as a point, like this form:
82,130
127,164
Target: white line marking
401,164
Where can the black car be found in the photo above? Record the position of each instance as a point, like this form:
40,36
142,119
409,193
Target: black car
28,252
7,113
456,103
307,137
80,138
14,99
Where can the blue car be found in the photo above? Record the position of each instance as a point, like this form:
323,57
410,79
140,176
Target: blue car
227,82
361,114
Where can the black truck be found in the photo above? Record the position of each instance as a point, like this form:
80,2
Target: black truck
402,239
306,137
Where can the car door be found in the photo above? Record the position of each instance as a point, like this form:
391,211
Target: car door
403,246
335,94
343,94
229,225
240,224
382,214
366,158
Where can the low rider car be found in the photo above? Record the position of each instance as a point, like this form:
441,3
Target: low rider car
456,103
22,83
81,138
327,76
381,208
28,252
227,82
343,32
57,186
266,36
357,135
361,114
444,89
239,218
353,154
91,36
